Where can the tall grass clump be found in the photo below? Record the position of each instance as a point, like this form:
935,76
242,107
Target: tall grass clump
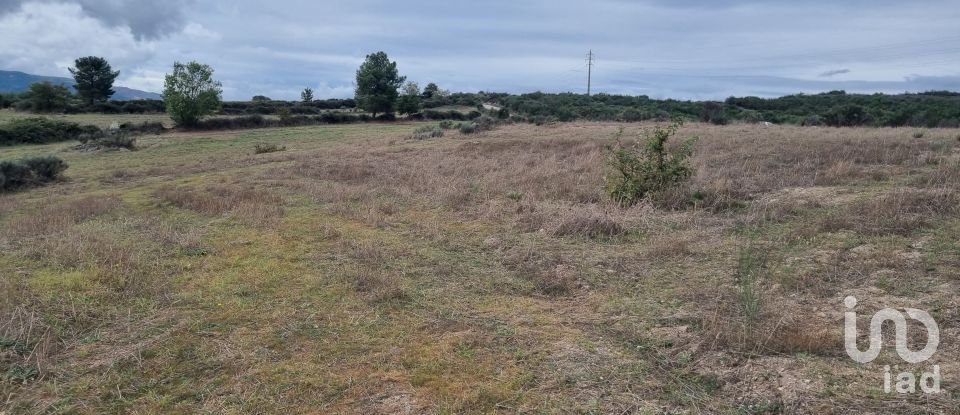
648,165
268,148
749,269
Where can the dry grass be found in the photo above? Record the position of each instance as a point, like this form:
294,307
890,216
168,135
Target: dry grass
56,218
360,272
247,202
902,211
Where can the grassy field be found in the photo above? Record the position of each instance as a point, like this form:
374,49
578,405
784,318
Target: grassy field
100,120
360,271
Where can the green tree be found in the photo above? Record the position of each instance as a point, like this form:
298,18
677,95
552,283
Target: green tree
47,97
260,99
94,79
431,90
307,95
409,102
191,93
377,84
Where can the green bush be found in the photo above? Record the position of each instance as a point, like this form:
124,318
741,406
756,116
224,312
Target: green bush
486,123
146,127
647,166
41,131
446,125
468,128
117,139
30,172
631,115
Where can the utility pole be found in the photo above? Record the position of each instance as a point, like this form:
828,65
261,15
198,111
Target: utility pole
589,70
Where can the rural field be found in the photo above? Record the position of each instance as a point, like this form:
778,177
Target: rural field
359,270
99,120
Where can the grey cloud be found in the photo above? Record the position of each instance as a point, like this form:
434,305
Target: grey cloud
834,72
720,87
146,19
668,48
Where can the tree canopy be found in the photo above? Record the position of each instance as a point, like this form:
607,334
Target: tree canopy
409,102
377,84
94,79
47,97
191,93
307,95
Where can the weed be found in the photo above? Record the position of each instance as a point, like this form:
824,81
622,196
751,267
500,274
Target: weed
21,374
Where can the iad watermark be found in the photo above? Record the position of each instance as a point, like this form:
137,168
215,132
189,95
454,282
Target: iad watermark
906,382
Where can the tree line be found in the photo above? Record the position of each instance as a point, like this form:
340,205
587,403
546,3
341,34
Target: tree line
191,93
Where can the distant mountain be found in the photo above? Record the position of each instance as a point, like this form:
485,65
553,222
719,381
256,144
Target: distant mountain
13,81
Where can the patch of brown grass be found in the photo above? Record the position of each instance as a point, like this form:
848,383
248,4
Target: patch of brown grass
246,201
377,285
589,223
781,328
60,217
902,211
744,167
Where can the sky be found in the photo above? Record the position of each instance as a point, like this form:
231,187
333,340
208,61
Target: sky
683,49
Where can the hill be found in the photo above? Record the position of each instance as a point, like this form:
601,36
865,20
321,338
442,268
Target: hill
14,81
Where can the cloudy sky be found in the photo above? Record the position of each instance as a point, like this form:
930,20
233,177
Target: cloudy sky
687,49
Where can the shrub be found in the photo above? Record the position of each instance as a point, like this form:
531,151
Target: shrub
285,116
268,148
481,124
485,123
146,127
46,168
105,108
117,139
631,115
468,128
133,108
109,139
446,125
918,134
541,120
428,131
647,166
812,121
41,131
30,172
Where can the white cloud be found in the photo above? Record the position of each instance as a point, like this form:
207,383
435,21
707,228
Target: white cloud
45,38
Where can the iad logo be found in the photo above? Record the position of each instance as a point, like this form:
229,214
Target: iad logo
906,381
